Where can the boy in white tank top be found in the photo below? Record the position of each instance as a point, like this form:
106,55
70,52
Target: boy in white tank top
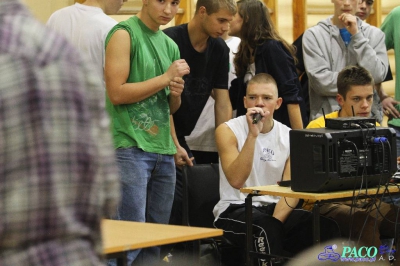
256,153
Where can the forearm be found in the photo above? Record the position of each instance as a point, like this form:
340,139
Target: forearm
174,104
388,103
181,156
135,92
318,68
372,54
223,113
381,93
239,170
284,207
173,132
296,122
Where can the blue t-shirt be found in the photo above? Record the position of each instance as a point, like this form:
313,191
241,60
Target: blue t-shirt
346,36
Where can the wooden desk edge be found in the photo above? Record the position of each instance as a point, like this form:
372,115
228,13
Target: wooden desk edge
217,232
276,190
203,233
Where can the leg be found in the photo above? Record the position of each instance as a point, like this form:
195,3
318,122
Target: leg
390,224
299,225
267,231
160,195
356,224
135,168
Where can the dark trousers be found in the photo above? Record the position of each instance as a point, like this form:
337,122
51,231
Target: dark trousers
176,211
270,235
205,157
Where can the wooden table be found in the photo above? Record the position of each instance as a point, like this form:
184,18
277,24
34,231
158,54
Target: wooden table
122,236
275,190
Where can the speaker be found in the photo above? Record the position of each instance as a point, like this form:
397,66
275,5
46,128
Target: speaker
324,160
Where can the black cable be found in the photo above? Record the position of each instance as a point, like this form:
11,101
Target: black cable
289,205
354,188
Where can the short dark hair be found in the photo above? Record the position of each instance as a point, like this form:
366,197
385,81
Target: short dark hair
263,78
353,76
213,6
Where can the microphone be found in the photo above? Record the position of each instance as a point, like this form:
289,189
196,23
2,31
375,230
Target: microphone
256,118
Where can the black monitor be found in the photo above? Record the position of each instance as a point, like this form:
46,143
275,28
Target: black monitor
324,160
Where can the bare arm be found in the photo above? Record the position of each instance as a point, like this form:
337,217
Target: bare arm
222,107
285,205
176,87
388,103
296,122
181,156
117,68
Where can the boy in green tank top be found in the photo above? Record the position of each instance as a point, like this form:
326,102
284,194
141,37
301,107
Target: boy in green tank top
143,75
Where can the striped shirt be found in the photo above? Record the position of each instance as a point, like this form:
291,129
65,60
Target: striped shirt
58,176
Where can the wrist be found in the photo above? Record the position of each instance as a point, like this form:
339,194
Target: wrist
385,97
165,80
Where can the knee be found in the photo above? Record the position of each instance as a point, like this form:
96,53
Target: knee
268,235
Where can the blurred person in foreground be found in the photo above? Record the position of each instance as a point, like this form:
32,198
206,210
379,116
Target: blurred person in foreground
59,177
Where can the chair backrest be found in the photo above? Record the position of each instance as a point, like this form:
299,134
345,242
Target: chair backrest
200,194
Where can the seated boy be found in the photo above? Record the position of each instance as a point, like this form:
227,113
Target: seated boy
369,219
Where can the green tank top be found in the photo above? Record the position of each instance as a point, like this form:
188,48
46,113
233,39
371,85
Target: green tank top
145,124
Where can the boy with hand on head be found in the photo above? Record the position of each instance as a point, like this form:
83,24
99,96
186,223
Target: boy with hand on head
382,101
338,41
144,84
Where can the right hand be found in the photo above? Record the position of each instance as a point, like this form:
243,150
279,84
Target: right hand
178,68
181,157
176,86
350,22
255,129
389,107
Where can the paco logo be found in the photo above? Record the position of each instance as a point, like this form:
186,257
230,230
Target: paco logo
354,254
367,253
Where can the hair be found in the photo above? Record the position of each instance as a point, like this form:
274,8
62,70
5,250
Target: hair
263,78
256,28
213,6
353,76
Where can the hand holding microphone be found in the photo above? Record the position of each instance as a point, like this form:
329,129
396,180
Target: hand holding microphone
256,117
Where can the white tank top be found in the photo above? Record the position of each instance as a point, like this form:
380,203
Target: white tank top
271,152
